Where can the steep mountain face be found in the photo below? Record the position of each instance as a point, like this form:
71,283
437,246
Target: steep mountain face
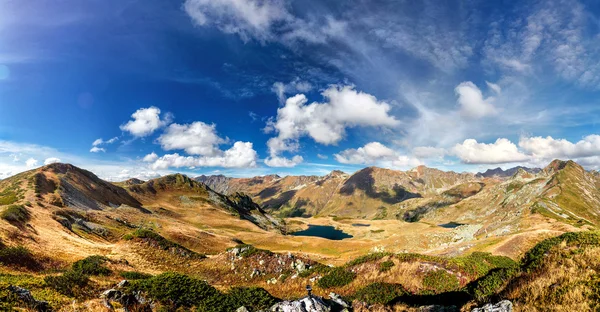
367,193
499,173
570,194
180,189
69,186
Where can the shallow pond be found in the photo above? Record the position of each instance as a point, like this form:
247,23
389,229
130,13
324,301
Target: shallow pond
323,231
450,225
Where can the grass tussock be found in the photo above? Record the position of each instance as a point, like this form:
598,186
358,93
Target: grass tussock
16,214
155,239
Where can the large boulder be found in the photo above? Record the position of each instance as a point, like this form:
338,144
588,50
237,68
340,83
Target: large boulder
502,306
26,296
312,304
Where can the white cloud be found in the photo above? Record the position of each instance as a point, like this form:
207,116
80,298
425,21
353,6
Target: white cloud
471,101
326,123
261,20
296,85
247,18
197,138
501,151
549,148
31,162
376,153
240,155
278,161
96,149
321,156
150,157
145,122
51,160
496,88
101,141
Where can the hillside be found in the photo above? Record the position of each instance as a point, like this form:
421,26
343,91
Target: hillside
401,228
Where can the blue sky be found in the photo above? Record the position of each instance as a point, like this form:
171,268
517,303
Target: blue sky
248,87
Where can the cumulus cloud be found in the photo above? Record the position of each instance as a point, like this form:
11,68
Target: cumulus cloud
471,101
321,156
240,155
150,157
278,161
549,147
197,138
145,122
97,149
376,153
326,123
51,160
499,152
31,162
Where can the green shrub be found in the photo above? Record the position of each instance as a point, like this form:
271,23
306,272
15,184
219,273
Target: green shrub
92,265
19,255
440,281
478,264
178,290
533,259
381,293
69,283
316,268
492,283
253,298
16,214
368,258
132,275
386,266
337,277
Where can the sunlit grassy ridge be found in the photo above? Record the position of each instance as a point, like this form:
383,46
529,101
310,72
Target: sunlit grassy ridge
569,262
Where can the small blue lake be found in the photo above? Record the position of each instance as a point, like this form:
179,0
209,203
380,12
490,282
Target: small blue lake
323,231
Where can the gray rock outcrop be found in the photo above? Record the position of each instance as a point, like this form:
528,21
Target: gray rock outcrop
502,306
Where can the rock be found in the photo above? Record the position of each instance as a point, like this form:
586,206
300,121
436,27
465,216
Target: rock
272,281
502,306
26,296
242,309
261,262
255,272
306,304
122,283
338,300
130,302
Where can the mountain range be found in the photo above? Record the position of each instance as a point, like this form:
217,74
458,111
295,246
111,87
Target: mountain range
242,231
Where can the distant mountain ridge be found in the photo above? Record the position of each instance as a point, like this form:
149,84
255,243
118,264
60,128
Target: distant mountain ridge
499,173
